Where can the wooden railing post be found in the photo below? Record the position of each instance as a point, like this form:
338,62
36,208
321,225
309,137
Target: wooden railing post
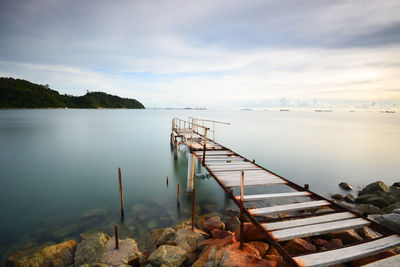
241,210
205,145
214,131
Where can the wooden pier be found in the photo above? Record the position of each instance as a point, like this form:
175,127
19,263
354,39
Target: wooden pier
232,170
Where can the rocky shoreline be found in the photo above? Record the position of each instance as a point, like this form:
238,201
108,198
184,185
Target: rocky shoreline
214,241
377,201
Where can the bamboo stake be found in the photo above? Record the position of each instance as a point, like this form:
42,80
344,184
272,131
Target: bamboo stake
167,180
241,211
193,206
121,199
116,237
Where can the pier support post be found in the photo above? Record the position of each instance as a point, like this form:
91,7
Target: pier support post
178,195
121,199
116,237
190,173
193,206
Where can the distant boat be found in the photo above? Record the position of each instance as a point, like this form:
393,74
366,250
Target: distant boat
246,109
387,111
323,110
351,111
284,109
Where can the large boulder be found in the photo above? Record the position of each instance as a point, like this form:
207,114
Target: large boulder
209,251
149,241
187,239
167,255
347,236
212,223
167,235
250,232
391,221
232,256
232,224
378,188
261,247
127,253
368,209
372,199
299,246
58,255
91,249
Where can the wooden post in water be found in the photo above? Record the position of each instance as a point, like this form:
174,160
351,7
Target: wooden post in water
116,237
254,161
190,173
178,195
167,180
204,145
121,199
193,206
241,210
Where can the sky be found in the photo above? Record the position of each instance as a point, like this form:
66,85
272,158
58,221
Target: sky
224,53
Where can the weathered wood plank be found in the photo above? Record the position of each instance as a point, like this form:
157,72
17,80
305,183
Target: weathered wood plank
259,182
318,229
234,169
289,207
274,196
336,256
308,221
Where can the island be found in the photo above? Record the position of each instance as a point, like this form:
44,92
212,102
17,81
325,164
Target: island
17,93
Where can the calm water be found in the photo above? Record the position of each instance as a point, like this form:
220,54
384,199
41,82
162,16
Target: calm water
56,165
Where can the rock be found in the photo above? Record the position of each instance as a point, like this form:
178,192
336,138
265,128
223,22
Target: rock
91,249
151,224
91,214
250,232
203,244
377,188
261,247
58,255
202,219
332,244
128,253
274,255
349,198
345,186
373,200
396,211
220,234
167,235
187,236
379,256
347,236
232,224
391,221
299,246
396,184
337,197
168,256
392,207
213,223
191,258
366,233
212,248
232,256
149,241
368,209
319,242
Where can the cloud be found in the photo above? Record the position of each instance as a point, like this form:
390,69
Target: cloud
206,53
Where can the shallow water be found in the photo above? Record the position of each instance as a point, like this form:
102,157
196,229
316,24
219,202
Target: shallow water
57,165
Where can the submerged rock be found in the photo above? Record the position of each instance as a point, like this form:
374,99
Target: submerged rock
349,198
45,256
167,255
337,197
345,186
94,213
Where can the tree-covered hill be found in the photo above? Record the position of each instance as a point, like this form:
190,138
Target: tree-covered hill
16,93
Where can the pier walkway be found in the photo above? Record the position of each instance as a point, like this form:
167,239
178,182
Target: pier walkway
232,172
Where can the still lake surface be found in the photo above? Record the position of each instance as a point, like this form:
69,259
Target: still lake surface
58,168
